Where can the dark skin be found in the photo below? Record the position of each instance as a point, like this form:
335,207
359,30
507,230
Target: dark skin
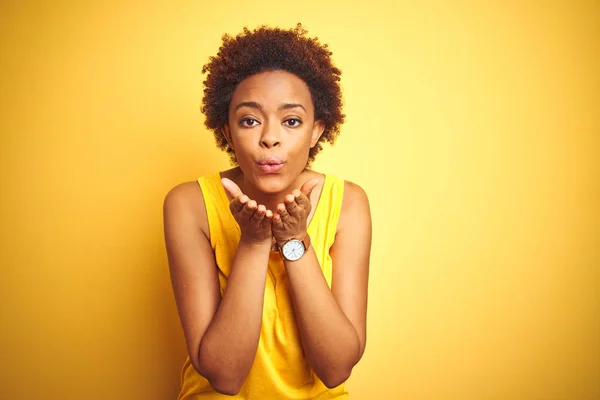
259,224
271,117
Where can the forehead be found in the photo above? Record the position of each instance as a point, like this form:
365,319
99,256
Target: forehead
271,89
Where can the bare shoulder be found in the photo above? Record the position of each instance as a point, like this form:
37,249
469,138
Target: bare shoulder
355,205
185,202
191,263
353,193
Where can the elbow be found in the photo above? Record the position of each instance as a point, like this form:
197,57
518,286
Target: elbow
334,379
228,387
334,374
222,382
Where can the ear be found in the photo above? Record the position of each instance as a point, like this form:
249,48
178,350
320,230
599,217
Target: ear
227,133
318,129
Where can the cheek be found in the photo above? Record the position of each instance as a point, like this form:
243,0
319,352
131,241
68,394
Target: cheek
302,142
301,150
240,143
306,145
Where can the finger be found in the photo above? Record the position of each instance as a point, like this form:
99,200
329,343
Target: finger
276,221
267,220
308,186
302,200
238,204
259,214
283,213
249,209
231,188
291,205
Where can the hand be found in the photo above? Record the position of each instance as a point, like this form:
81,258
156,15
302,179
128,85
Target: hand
290,218
254,219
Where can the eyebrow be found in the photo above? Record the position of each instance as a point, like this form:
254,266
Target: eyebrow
253,104
287,106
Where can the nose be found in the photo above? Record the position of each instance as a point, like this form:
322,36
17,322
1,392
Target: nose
270,136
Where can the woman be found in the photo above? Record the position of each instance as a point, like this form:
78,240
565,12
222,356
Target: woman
269,260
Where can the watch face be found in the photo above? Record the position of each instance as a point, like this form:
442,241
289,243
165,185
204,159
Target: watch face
293,250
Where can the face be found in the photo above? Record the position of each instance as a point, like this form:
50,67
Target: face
272,128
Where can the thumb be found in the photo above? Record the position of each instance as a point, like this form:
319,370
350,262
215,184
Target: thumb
230,186
309,185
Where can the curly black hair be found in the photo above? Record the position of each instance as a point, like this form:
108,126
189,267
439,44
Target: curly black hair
268,49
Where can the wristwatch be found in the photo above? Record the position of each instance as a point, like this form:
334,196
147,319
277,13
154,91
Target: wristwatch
294,249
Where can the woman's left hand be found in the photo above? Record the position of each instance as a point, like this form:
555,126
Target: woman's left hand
290,219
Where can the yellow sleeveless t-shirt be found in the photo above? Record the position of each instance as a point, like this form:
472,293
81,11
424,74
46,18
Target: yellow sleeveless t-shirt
280,369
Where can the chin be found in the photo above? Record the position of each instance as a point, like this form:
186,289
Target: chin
272,183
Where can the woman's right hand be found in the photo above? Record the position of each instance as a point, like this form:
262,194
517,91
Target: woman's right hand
254,219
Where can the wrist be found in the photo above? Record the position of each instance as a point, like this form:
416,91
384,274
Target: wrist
294,248
256,243
280,241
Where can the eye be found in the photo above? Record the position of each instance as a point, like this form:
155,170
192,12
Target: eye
293,122
248,122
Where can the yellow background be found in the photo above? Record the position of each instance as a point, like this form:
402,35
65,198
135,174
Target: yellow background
474,128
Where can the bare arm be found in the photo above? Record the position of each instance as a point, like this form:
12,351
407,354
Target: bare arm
228,347
221,334
332,323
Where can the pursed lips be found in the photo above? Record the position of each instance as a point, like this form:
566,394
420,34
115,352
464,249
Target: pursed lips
270,161
270,165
